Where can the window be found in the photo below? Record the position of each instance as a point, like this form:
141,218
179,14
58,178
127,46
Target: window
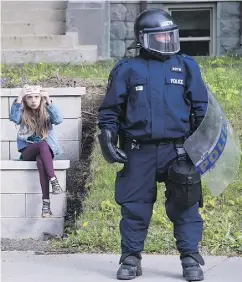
196,28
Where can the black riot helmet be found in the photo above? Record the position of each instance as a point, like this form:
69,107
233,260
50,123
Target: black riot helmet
156,32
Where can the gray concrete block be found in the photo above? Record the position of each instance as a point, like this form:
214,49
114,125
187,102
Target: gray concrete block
133,10
4,107
13,205
5,92
28,165
5,154
118,12
69,107
26,181
229,10
85,5
57,204
117,48
71,150
22,228
30,16
13,151
8,130
118,30
29,42
229,28
77,56
22,6
129,30
69,130
38,28
228,44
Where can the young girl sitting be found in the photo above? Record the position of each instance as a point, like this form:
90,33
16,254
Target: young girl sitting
35,113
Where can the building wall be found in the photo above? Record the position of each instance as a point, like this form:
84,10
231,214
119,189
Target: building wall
228,20
122,16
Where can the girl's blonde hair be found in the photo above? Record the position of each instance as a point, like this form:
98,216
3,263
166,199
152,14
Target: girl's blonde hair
36,121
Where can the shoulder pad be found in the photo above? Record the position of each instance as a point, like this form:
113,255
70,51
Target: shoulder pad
187,57
119,64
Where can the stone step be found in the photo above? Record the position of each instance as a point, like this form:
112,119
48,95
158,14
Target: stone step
26,5
84,53
30,16
38,28
28,176
29,205
37,41
35,228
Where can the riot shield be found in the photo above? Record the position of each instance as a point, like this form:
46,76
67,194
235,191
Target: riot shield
214,148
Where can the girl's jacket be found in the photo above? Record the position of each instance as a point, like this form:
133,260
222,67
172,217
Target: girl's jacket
24,138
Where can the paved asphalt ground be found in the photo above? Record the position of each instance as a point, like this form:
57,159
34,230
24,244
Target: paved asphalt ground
29,267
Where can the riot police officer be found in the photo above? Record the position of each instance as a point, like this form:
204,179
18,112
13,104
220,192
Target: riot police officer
148,106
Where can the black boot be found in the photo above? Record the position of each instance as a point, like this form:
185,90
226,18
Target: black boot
130,268
191,268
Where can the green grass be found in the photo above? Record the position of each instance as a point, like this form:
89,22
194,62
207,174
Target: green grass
97,229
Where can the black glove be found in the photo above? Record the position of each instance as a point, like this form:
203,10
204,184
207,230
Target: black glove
110,151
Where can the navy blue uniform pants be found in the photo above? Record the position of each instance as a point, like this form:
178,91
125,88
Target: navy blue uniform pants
136,191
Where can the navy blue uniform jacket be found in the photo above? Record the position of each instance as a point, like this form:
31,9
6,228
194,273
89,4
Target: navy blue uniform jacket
149,99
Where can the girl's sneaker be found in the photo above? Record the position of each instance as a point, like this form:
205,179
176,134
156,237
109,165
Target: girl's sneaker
46,212
56,188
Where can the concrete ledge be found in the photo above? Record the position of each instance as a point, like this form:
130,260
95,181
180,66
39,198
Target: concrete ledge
65,91
19,177
22,228
22,6
33,15
24,165
30,42
75,56
37,28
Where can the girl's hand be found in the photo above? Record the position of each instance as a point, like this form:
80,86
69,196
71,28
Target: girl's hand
22,93
46,96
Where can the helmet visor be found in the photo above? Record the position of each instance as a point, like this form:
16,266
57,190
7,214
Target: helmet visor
165,42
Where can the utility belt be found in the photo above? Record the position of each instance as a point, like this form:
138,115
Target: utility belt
135,143
183,186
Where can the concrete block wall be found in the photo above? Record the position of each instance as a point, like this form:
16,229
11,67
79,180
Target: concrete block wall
20,187
21,201
122,17
228,24
68,101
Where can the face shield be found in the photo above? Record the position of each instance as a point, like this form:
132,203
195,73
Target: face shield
163,42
